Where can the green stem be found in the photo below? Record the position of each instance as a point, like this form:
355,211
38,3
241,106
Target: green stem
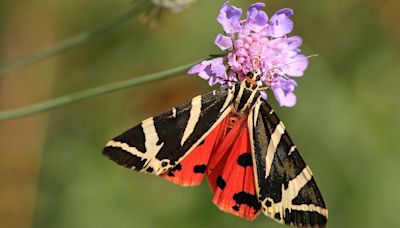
72,41
97,91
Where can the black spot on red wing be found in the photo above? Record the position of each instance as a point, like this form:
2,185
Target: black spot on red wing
245,160
221,183
199,168
278,216
178,167
248,199
201,143
236,208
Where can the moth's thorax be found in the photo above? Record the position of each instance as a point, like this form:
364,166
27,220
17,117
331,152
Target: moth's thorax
250,84
247,92
245,96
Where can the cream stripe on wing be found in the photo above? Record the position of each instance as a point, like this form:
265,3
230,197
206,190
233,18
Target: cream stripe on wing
256,111
289,194
295,185
292,149
281,207
174,112
195,112
228,99
151,138
273,144
125,147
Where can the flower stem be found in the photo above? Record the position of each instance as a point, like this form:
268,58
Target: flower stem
72,41
97,91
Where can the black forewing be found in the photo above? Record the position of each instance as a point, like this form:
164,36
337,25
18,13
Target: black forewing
287,189
159,143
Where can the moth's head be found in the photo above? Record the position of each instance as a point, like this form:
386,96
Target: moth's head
252,80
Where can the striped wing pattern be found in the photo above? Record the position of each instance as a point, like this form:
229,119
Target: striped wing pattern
159,143
286,188
273,177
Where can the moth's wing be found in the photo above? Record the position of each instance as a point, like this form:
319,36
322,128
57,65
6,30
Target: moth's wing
230,173
159,143
286,187
190,171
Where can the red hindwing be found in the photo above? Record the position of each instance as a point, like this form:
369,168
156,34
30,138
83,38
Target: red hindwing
230,173
225,156
190,171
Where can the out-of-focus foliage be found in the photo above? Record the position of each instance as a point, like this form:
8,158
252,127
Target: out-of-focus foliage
346,121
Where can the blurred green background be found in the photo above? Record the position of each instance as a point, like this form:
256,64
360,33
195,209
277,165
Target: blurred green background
346,122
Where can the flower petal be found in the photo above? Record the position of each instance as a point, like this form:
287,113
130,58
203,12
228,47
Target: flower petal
294,42
296,66
223,42
218,67
232,61
229,18
203,69
288,100
212,70
280,23
285,11
257,19
283,91
198,68
206,73
264,95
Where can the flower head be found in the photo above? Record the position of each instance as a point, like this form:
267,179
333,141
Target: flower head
256,42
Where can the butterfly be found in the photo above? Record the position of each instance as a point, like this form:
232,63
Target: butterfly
234,137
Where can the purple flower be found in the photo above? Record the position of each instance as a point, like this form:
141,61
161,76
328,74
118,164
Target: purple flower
223,42
229,18
257,19
256,42
212,70
280,24
283,91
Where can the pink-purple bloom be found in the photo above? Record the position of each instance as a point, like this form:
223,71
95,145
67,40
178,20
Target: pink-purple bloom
256,43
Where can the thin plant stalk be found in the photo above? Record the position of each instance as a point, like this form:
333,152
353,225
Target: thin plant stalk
72,41
97,91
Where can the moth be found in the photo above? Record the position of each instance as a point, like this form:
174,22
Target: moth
234,137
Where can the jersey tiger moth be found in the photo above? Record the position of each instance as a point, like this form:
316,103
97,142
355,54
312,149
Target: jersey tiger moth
236,139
